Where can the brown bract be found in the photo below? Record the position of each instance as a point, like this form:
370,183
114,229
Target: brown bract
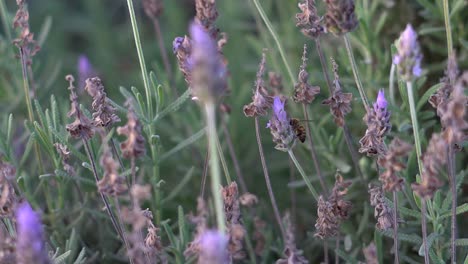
303,91
104,114
382,212
261,100
392,162
292,255
8,198
81,127
207,15
340,17
25,40
134,146
235,227
111,183
308,19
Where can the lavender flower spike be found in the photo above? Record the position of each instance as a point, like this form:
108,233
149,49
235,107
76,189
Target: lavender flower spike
85,70
213,248
381,102
280,127
209,71
409,55
30,237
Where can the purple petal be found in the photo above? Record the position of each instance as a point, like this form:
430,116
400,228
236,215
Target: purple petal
278,109
381,101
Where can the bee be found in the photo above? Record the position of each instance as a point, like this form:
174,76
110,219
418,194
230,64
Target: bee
298,129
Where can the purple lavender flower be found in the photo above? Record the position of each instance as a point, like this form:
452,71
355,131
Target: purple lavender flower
85,70
381,102
209,71
409,55
280,126
30,237
213,248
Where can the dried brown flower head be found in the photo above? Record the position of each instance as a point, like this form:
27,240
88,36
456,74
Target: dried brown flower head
304,92
261,100
25,42
206,16
248,200
134,146
433,160
382,211
201,222
8,198
104,114
153,8
308,20
81,127
441,97
340,18
111,183
276,82
65,155
292,255
339,102
370,253
454,118
393,165
7,248
333,211
235,227
182,48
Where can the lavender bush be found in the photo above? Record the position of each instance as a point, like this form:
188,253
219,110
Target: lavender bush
165,148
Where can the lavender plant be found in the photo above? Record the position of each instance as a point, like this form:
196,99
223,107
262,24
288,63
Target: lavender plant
161,165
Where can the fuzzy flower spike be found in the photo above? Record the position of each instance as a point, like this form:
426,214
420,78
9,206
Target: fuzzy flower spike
280,127
408,58
30,244
209,71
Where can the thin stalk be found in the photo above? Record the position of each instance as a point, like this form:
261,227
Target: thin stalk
104,198
162,50
223,160
357,79
27,95
144,72
292,178
313,154
303,174
5,22
395,227
448,28
267,180
424,230
325,252
117,207
414,121
347,134
337,258
235,162
133,169
205,173
453,189
391,84
267,22
214,165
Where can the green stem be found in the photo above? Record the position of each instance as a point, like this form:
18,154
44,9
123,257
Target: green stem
357,79
144,72
414,121
275,38
223,160
214,165
448,28
391,85
303,174
5,22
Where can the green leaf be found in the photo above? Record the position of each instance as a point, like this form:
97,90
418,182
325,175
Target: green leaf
61,259
378,245
415,239
346,257
430,239
460,210
186,142
404,210
174,106
183,232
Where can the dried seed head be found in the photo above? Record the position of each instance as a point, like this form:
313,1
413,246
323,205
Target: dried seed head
30,235
81,127
280,127
378,125
182,47
304,92
8,198
333,211
248,200
235,228
276,82
25,40
292,255
153,240
209,72
261,100
259,235
153,8
393,165
65,155
339,102
201,222
382,212
340,18
213,248
433,160
104,114
7,248
408,59
370,253
111,183
454,118
308,20
206,16
134,146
